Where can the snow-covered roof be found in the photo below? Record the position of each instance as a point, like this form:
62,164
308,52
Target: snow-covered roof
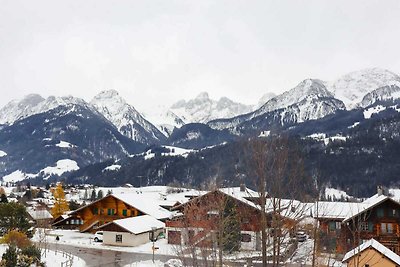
336,210
145,204
372,243
241,195
139,224
368,204
39,214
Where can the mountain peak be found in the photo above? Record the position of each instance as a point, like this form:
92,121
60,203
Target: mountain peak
352,87
125,117
108,94
203,109
203,96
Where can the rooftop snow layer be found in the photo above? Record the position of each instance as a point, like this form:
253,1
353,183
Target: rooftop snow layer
372,243
139,224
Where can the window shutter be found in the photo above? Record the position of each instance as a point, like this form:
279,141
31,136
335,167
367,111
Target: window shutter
332,226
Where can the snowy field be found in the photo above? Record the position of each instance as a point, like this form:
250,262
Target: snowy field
51,258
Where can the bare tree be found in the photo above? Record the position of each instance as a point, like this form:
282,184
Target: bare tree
278,170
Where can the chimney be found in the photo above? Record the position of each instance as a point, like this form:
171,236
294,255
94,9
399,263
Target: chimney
381,190
242,188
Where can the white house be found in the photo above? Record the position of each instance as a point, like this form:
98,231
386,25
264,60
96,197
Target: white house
131,231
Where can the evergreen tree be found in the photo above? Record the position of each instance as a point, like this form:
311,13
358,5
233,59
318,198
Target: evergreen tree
3,198
60,204
100,194
109,192
85,196
93,195
10,257
47,186
13,216
231,227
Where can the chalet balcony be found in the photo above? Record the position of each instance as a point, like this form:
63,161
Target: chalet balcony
96,220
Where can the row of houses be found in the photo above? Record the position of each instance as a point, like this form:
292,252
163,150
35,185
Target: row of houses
190,216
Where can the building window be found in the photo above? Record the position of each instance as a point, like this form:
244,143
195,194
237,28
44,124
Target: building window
125,212
332,226
395,213
338,225
387,228
364,226
95,211
246,238
380,212
118,238
110,211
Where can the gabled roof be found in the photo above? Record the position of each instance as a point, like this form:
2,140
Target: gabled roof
336,210
372,243
146,205
137,225
368,204
39,214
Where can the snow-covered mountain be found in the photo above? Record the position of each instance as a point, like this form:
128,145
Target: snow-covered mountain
203,109
309,100
68,133
34,104
352,87
388,92
264,99
164,119
126,118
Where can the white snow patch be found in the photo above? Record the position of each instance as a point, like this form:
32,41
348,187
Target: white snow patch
17,176
317,136
2,154
114,167
173,151
374,110
64,165
335,193
354,125
64,144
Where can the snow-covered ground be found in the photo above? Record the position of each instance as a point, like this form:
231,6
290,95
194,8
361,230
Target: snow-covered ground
114,167
85,240
374,110
52,258
17,176
62,166
174,151
64,144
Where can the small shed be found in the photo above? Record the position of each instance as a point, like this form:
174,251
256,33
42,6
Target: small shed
131,231
371,253
40,216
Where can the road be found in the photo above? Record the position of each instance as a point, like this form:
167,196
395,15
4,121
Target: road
106,258
94,257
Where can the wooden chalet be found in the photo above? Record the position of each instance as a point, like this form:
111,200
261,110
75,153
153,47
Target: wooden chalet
350,224
117,206
199,220
371,253
67,221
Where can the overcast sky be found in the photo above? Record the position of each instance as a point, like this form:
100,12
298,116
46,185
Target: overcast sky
156,52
